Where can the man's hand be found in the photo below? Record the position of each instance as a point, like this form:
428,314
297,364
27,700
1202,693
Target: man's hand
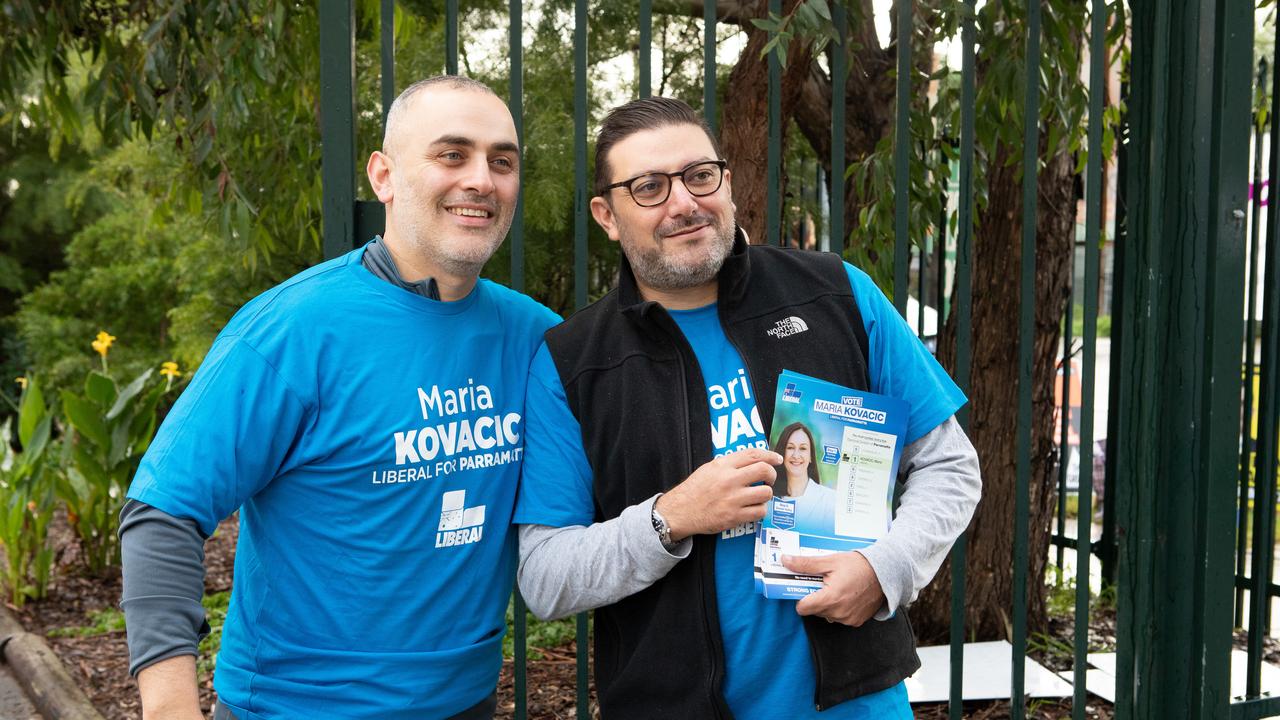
851,592
168,690
721,494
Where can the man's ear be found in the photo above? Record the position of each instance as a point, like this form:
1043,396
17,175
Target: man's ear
603,214
379,172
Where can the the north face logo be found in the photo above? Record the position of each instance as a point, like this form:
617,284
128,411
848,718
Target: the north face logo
787,327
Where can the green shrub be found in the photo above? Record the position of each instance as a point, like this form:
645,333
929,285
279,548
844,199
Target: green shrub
26,498
111,429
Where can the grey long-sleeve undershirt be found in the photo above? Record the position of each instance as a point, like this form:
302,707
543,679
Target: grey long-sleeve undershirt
564,570
163,555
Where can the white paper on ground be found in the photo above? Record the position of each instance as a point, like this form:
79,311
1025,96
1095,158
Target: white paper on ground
988,674
1100,679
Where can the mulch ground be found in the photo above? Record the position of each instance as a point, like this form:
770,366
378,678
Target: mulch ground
100,663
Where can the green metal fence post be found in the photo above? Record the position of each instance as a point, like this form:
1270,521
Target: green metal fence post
1247,445
515,101
773,172
901,160
451,36
839,77
1191,78
1026,339
1264,498
963,293
645,59
338,124
580,210
387,40
709,65
1093,208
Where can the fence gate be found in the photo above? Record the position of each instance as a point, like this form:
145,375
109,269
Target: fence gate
1175,494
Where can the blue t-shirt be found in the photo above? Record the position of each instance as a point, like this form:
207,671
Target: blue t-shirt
371,439
769,672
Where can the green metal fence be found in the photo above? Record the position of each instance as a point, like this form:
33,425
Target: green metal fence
1188,289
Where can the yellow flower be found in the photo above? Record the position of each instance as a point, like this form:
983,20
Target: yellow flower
103,343
170,371
22,382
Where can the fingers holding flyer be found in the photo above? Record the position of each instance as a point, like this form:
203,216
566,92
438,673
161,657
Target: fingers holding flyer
851,592
723,493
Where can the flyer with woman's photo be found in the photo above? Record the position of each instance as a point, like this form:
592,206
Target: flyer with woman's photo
834,492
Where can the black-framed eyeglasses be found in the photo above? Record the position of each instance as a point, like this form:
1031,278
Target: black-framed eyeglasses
652,189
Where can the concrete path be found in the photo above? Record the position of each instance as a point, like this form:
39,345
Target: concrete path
14,704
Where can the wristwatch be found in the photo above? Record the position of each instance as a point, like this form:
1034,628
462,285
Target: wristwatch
660,525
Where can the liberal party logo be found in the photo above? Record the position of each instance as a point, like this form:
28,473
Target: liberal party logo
787,327
459,525
791,394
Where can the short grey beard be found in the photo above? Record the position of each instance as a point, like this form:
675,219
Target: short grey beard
654,269
454,266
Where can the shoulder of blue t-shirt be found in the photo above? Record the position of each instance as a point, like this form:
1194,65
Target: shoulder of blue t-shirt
293,298
944,398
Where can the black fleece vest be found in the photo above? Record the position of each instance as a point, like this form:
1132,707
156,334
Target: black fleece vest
634,385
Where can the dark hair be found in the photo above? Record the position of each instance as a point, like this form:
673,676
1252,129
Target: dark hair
643,114
780,447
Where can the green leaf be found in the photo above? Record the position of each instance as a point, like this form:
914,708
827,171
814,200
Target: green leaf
85,418
31,412
99,388
820,6
34,448
128,393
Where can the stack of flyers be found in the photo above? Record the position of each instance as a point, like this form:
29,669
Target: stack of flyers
834,491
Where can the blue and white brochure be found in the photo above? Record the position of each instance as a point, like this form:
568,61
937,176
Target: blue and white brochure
834,491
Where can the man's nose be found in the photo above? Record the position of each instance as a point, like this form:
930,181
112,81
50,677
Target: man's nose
479,176
681,201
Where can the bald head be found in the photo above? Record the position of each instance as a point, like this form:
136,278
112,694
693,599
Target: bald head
399,114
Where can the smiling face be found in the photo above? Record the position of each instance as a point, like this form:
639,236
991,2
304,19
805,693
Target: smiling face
797,455
680,244
449,176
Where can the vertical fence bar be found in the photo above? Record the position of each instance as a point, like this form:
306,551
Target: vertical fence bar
580,154
709,65
1026,339
1064,415
1109,551
338,124
387,39
964,336
1264,492
1247,443
515,101
1092,220
1191,74
902,161
646,49
940,265
839,76
1224,267
922,257
773,175
580,261
451,37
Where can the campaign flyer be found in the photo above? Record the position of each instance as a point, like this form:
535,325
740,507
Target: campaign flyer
834,491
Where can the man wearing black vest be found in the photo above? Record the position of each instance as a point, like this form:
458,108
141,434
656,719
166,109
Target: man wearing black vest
646,449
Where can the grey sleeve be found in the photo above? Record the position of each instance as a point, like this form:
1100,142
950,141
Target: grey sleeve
564,570
163,559
943,484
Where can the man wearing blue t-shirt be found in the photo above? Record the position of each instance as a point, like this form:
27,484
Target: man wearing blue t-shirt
647,447
366,419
